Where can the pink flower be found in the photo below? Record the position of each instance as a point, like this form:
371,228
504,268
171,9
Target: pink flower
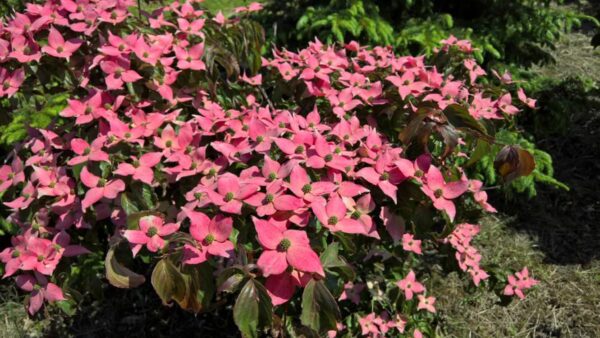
416,169
334,216
28,194
393,223
119,72
273,170
360,211
275,200
523,98
426,303
58,47
11,175
40,289
141,169
254,81
352,292
368,325
474,69
118,46
231,194
505,104
99,188
10,83
211,234
379,175
283,248
220,18
480,196
192,28
442,193
477,274
518,283
146,53
151,233
88,152
84,111
281,287
24,49
410,285
343,102
301,185
409,243
41,255
190,58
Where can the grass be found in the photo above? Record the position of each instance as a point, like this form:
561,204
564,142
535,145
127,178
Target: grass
564,304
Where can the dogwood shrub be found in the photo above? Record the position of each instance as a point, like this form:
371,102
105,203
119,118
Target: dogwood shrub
312,191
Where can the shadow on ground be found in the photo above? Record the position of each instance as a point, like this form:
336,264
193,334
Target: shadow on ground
566,224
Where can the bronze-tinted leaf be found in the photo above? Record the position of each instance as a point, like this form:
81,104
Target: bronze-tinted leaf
117,274
513,162
460,118
320,311
191,286
168,282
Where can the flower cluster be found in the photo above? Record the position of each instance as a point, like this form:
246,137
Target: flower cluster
264,188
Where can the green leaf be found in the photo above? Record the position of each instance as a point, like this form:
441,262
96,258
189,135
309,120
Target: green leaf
67,306
191,286
168,281
128,205
331,260
253,309
459,117
320,311
230,278
481,149
117,274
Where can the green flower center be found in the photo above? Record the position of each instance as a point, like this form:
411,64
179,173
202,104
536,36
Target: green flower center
384,177
328,157
60,49
101,182
419,173
198,196
438,193
152,231
355,214
270,198
285,244
169,144
15,254
87,151
259,139
229,197
272,176
209,239
299,150
333,220
40,258
306,188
